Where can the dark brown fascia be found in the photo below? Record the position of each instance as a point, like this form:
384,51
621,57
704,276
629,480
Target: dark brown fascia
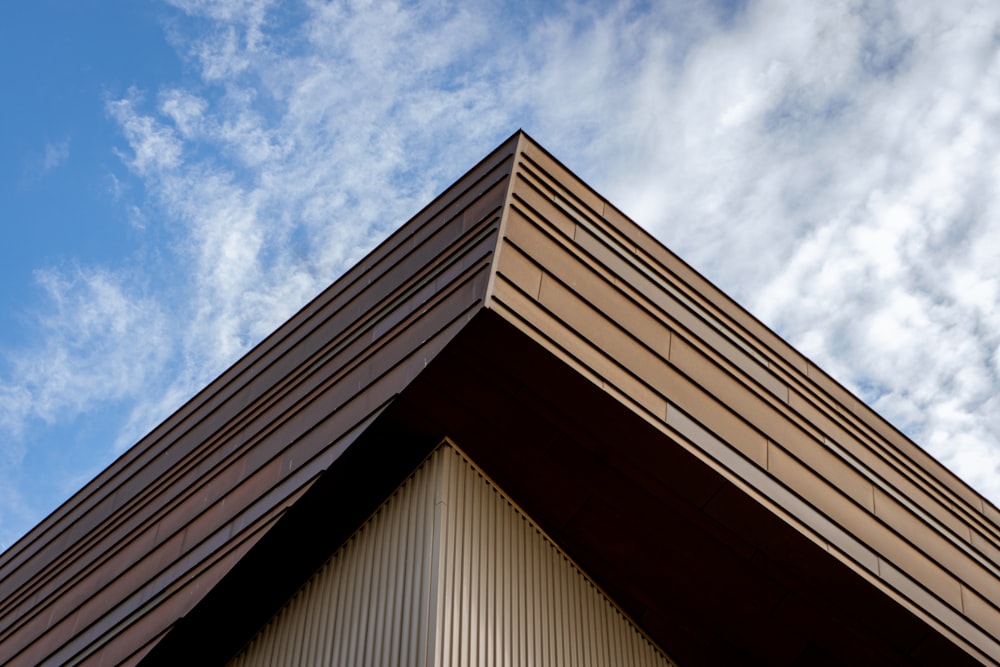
740,445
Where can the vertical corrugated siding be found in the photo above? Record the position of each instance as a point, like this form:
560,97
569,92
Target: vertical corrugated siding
369,604
510,597
449,572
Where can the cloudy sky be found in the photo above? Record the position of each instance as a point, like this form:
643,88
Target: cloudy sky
177,178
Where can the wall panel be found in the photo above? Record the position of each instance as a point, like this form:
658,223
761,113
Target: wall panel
449,572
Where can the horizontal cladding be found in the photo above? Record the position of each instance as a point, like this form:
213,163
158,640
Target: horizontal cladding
213,511
140,544
243,383
449,572
781,359
840,407
634,328
912,480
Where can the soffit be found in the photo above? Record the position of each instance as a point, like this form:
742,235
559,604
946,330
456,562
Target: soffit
708,569
588,286
709,572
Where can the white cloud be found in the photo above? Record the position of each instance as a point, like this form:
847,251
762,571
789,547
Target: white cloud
276,179
154,147
831,165
52,155
55,155
97,342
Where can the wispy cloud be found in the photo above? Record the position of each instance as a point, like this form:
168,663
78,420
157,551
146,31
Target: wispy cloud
293,168
55,155
51,156
96,341
832,165
99,341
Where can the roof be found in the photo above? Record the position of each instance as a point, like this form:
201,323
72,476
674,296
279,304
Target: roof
733,499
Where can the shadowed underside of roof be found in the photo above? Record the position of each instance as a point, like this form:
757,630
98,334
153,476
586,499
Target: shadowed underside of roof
734,500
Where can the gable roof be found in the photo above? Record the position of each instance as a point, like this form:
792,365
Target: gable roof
731,497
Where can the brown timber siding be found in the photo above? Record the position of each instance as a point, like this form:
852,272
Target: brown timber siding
515,275
107,573
589,285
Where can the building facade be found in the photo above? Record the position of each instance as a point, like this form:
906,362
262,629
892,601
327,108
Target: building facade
520,431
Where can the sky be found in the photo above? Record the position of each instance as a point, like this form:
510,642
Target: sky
177,178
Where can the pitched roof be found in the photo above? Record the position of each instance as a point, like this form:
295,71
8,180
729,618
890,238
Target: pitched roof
731,497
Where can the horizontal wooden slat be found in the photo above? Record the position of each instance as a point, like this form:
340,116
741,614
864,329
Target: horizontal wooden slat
251,442
738,427
780,357
603,295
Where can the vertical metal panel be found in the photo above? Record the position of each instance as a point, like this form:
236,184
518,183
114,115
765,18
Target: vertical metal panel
368,604
514,598
449,572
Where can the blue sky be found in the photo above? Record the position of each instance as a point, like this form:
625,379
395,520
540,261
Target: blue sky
60,61
177,178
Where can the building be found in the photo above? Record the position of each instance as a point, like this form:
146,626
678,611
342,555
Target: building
520,431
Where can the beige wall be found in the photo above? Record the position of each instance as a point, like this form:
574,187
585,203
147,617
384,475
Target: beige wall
449,572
